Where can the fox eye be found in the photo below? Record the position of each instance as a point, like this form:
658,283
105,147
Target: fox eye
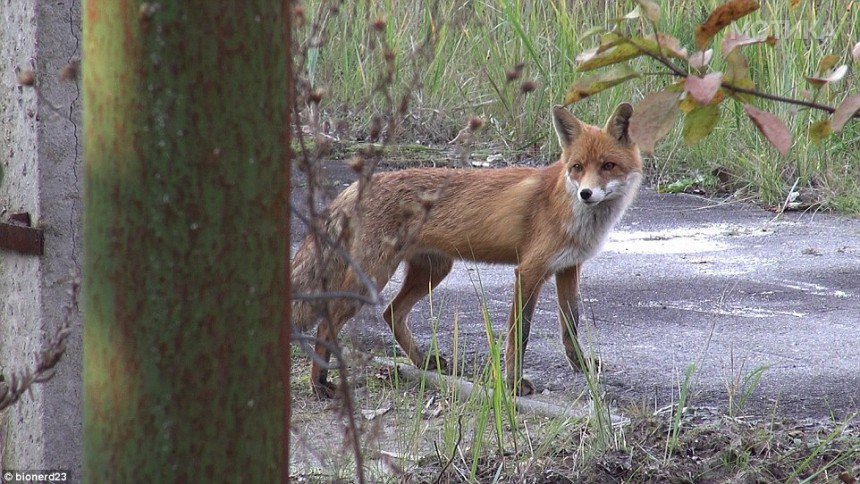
577,167
608,166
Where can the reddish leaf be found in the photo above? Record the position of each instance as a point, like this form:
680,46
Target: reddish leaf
836,75
701,58
653,118
670,45
722,16
733,41
703,89
771,127
845,111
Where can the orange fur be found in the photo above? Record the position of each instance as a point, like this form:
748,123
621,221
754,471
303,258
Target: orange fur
535,218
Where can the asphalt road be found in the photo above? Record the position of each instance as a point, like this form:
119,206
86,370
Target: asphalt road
728,287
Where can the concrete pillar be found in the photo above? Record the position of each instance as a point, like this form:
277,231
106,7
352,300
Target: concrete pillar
40,166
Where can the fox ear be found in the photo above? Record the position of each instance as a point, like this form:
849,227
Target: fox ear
567,127
619,123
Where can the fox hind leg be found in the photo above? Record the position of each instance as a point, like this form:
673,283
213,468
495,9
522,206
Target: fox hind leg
340,310
423,273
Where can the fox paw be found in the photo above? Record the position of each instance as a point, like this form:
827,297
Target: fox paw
324,390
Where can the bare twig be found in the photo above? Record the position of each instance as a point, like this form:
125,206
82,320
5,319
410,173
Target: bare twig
453,451
46,360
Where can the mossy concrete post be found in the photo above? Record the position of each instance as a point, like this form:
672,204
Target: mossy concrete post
40,174
184,253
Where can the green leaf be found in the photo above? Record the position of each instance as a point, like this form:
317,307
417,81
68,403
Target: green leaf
826,63
591,85
592,32
614,55
820,130
700,122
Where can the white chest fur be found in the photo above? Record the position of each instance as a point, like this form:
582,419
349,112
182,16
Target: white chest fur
590,225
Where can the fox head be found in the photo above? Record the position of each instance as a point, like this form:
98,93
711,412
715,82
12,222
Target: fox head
600,164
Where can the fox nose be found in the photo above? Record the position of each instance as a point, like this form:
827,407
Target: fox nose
585,194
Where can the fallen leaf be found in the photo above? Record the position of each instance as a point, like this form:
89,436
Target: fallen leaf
372,414
771,127
591,85
701,58
700,122
721,17
703,89
845,111
653,118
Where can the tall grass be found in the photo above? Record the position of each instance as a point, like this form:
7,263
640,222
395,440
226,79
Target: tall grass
474,44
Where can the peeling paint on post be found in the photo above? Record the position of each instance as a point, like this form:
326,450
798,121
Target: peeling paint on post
185,263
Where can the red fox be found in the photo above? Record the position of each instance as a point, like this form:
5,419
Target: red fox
546,221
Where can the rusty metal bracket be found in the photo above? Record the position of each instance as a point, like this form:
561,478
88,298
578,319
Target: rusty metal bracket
18,235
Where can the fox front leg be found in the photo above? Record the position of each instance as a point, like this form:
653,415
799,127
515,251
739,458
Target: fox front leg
567,286
526,290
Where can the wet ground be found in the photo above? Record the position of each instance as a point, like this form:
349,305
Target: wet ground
730,287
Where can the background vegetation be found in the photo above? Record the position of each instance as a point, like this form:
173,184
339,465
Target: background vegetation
466,55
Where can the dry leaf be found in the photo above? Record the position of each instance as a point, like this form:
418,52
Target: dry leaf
650,9
721,17
701,58
703,89
653,118
845,111
771,127
633,14
372,414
